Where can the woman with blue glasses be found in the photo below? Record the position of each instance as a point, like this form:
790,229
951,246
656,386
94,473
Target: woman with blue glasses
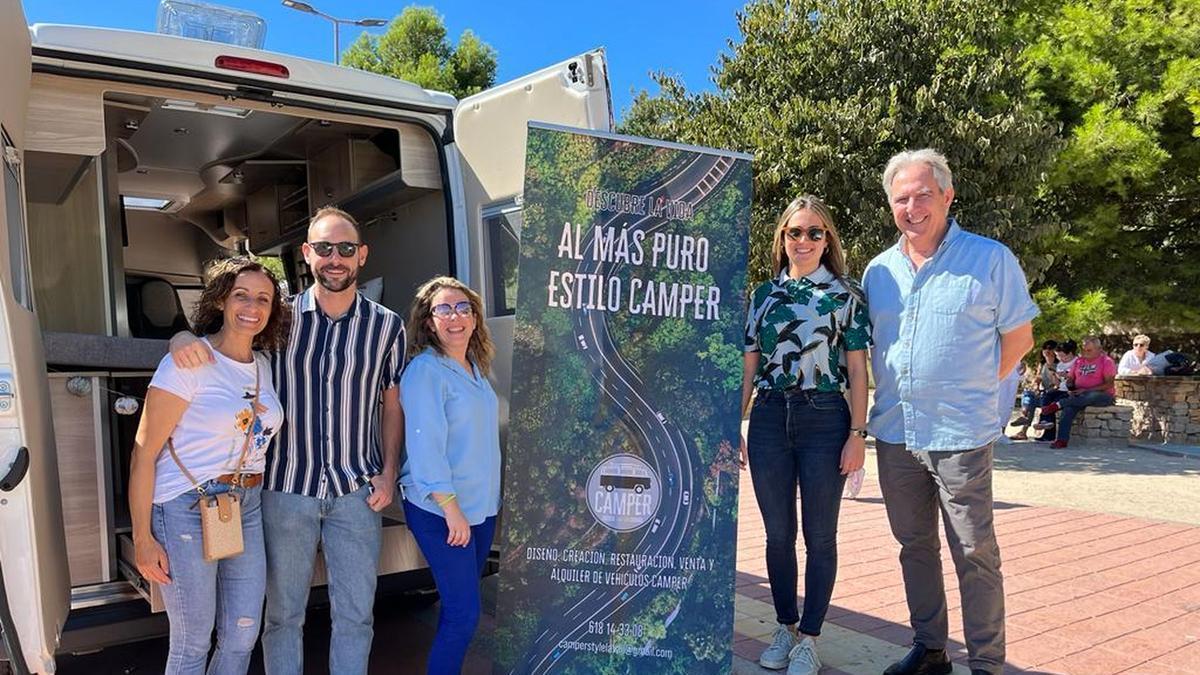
451,473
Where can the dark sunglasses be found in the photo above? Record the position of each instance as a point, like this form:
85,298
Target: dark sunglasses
345,249
444,310
813,233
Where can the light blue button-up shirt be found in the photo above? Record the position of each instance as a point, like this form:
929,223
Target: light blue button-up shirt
451,437
936,354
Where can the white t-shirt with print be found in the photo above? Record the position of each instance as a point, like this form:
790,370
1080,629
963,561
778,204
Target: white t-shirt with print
209,436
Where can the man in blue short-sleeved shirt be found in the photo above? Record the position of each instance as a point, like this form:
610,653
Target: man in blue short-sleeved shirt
950,314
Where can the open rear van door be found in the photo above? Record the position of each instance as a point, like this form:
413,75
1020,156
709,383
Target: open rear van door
489,133
33,556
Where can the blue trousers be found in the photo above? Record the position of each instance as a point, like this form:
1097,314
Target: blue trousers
795,441
1073,405
1052,396
456,571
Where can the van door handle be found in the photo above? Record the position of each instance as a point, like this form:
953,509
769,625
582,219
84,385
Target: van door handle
16,471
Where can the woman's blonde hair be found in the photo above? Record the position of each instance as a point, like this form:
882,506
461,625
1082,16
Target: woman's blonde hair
834,257
480,349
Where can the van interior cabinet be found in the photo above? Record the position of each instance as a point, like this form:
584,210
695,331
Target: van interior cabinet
346,166
79,408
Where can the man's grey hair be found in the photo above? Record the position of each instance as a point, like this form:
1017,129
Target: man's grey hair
1092,340
928,156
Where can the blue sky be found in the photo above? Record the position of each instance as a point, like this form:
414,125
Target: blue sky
678,36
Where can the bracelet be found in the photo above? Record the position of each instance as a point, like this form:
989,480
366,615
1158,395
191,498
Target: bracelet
443,502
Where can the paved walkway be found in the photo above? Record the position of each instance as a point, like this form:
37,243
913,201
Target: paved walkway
1098,580
1088,592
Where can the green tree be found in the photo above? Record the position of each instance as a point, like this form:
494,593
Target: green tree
822,92
1122,77
415,48
1064,318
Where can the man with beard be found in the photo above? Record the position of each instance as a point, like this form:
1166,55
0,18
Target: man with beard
327,478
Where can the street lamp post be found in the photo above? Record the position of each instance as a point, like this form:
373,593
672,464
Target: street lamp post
337,40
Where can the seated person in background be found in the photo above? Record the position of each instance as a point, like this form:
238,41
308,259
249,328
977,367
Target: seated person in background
1065,356
1136,360
1037,383
1090,382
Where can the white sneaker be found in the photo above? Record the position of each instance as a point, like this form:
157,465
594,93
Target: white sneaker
777,656
803,658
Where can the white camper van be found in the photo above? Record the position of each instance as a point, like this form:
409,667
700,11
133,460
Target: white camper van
130,159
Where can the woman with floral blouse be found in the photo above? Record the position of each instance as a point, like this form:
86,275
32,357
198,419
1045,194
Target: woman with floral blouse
806,338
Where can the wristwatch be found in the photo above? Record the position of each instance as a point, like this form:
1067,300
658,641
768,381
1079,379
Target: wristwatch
861,432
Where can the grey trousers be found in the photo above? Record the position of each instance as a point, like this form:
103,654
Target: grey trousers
915,485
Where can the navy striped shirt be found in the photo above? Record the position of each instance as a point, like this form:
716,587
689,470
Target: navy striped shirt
330,378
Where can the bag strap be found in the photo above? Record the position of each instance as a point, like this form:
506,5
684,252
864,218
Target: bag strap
237,477
186,474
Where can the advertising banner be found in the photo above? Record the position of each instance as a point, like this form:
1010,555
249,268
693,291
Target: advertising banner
621,478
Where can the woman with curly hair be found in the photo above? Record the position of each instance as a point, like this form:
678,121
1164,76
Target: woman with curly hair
203,435
451,474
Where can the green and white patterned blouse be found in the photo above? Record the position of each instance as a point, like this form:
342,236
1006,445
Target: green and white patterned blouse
804,327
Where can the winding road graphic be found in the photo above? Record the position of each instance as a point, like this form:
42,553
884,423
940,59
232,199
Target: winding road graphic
661,442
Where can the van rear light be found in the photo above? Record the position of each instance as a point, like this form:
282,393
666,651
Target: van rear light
252,66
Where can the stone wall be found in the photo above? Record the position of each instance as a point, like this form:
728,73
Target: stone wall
1102,425
1166,409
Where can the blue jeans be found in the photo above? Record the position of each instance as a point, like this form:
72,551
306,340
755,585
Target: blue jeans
1073,405
227,593
1030,400
456,571
796,439
1048,397
350,536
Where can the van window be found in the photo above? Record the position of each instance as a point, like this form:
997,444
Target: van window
502,222
15,221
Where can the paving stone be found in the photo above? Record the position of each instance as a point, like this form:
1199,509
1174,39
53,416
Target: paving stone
1078,583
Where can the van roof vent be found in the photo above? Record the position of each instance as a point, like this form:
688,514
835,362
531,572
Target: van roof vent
205,21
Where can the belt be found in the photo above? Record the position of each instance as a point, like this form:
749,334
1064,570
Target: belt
799,392
246,480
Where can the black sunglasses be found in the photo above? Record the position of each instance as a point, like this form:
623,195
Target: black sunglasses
813,233
444,310
345,249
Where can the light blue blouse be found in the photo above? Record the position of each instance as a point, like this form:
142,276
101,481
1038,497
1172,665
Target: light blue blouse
451,437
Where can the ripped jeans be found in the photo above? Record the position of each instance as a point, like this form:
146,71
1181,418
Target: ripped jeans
227,593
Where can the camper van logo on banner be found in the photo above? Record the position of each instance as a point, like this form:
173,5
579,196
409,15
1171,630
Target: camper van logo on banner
623,492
